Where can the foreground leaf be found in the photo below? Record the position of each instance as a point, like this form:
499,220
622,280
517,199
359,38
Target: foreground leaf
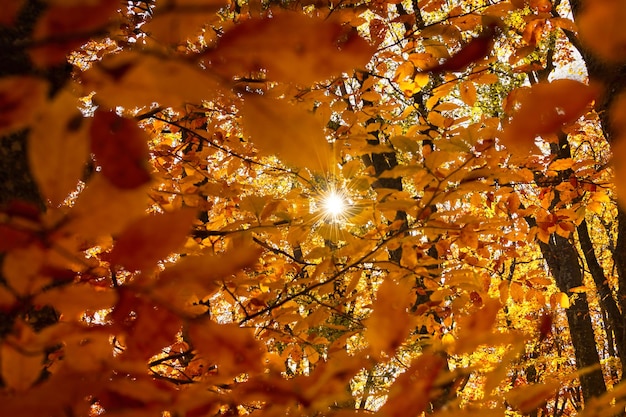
121,149
291,48
290,132
58,148
151,239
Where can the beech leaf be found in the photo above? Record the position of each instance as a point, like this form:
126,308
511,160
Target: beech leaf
121,149
152,238
291,48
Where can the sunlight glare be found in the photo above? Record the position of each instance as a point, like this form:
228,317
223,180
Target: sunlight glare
334,204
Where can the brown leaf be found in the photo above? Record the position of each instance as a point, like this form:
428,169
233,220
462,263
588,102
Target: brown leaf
152,238
291,48
121,149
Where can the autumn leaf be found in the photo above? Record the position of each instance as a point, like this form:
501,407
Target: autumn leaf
20,369
152,238
389,324
175,21
411,392
121,149
104,209
600,25
132,79
204,274
21,99
543,109
66,27
58,148
315,49
74,300
9,14
527,398
233,348
283,129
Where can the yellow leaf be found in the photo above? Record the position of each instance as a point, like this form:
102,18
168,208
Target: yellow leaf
20,369
233,348
559,299
411,392
314,50
150,239
292,133
561,164
58,148
20,268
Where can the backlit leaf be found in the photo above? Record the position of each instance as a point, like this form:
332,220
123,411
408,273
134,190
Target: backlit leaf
389,324
315,49
20,369
134,80
543,109
102,208
69,26
152,238
233,348
292,133
58,148
21,98
121,149
74,300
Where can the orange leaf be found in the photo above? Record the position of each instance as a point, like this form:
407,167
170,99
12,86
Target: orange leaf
543,109
21,98
153,329
74,300
121,149
527,398
103,209
601,29
58,148
314,49
389,324
20,369
151,239
69,27
292,133
468,93
233,348
410,393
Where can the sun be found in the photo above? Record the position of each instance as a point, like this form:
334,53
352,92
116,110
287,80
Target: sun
333,205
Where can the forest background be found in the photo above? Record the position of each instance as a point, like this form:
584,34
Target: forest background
312,208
